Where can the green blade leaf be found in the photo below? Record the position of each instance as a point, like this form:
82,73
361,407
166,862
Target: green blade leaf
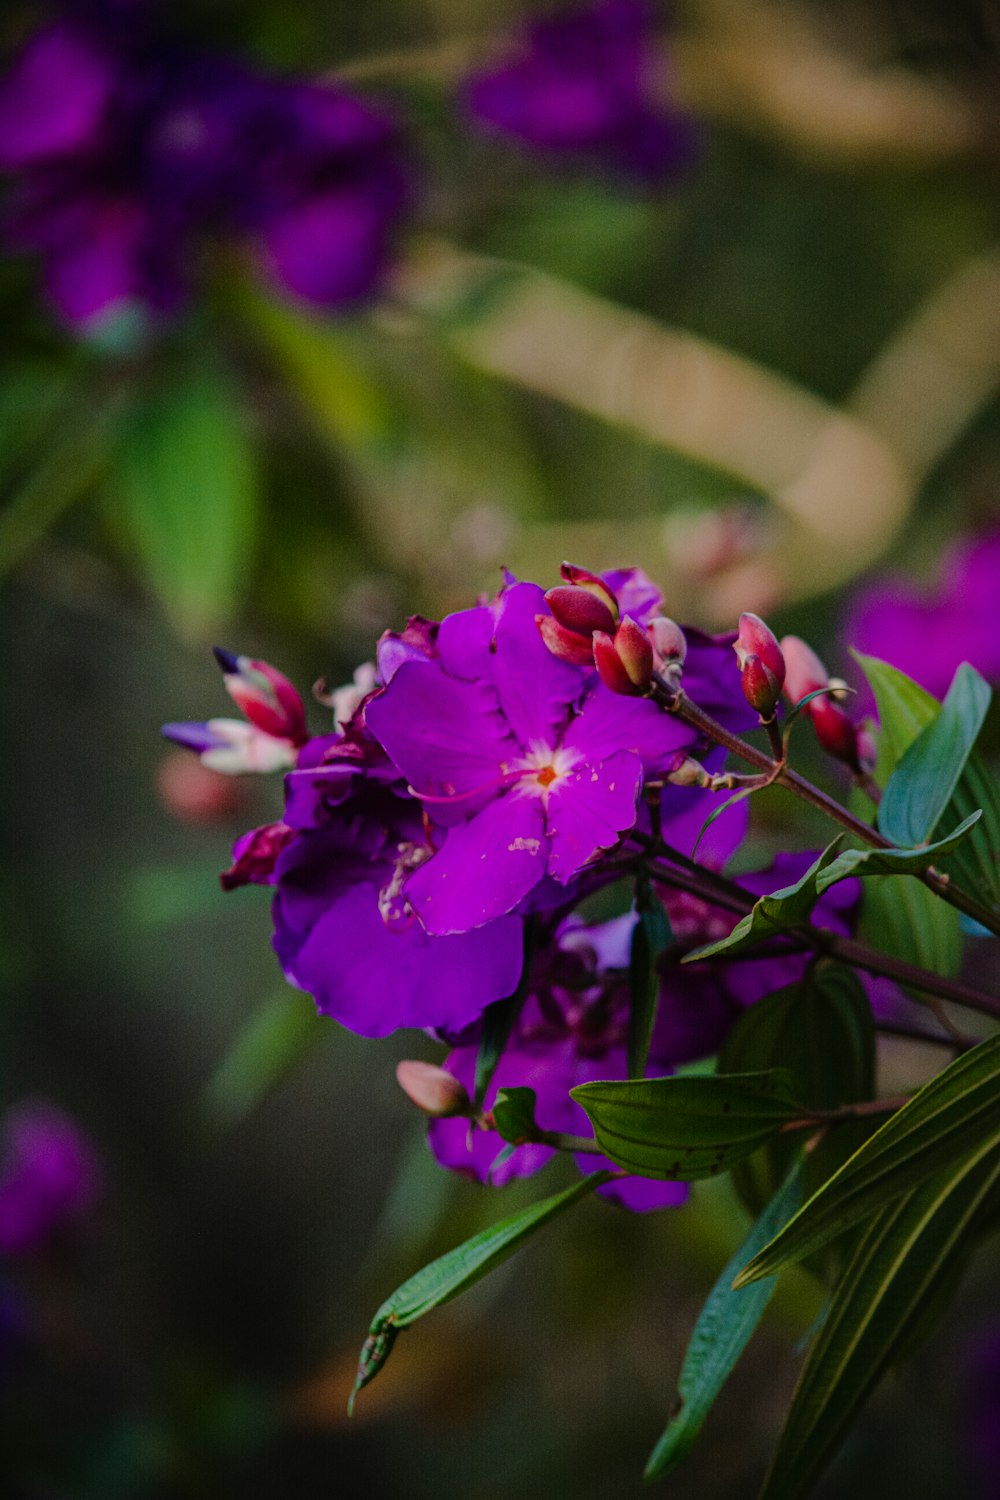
187,485
952,1115
651,937
854,863
723,1330
898,1266
680,1129
774,914
456,1271
903,918
514,1115
924,781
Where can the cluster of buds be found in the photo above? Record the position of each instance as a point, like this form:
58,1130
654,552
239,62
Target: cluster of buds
586,627
275,729
762,665
835,730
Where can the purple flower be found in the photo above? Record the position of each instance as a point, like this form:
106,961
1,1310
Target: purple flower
531,765
929,632
128,151
49,1177
580,83
346,932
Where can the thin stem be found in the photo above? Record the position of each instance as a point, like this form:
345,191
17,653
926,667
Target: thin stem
918,1034
860,1111
774,737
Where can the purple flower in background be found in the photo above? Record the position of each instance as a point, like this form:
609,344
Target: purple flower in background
345,931
127,150
581,83
49,1177
927,633
530,763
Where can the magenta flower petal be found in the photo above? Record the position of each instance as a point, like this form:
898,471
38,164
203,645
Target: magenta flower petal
484,868
53,101
535,688
330,248
589,809
608,722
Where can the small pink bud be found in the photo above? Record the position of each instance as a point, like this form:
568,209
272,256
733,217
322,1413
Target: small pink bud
265,695
193,793
579,610
804,672
757,639
564,643
835,731
760,687
625,663
669,641
431,1089
593,584
688,773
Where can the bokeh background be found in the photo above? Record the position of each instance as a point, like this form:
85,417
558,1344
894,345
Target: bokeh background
767,380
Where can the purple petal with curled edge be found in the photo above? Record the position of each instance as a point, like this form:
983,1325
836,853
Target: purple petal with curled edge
589,810
484,868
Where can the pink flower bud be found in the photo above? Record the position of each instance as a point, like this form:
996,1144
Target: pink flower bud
835,731
757,639
579,610
564,643
669,641
804,672
580,578
190,791
688,773
431,1089
625,663
265,695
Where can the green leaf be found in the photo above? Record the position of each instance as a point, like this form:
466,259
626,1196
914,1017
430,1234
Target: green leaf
514,1115
774,914
897,1268
925,779
854,863
680,1129
905,709
903,918
955,1113
651,937
264,1052
188,490
456,1271
723,1330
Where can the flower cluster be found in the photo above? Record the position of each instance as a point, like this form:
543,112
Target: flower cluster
127,150
484,776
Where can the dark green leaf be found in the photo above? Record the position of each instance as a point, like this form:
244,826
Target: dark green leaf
651,937
773,914
903,918
861,862
896,1269
684,1128
955,1113
499,1020
456,1271
187,482
723,1330
514,1115
924,781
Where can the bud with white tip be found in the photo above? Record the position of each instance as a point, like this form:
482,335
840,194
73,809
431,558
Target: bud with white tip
432,1089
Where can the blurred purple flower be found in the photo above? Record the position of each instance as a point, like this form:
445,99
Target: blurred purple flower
49,1177
128,150
580,83
928,632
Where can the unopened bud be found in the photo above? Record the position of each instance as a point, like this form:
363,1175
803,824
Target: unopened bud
762,665
232,747
265,695
593,584
688,773
669,640
579,610
804,672
431,1089
625,661
835,731
193,793
565,644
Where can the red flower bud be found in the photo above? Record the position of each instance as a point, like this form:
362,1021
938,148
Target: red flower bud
804,672
580,578
565,643
835,731
669,641
265,695
625,663
433,1090
580,610
757,639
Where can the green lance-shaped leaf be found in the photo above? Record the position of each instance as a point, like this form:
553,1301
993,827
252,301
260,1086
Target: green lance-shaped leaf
774,914
900,1263
905,709
499,1021
862,862
456,1271
186,479
924,781
651,937
514,1115
957,1112
680,1129
723,1330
